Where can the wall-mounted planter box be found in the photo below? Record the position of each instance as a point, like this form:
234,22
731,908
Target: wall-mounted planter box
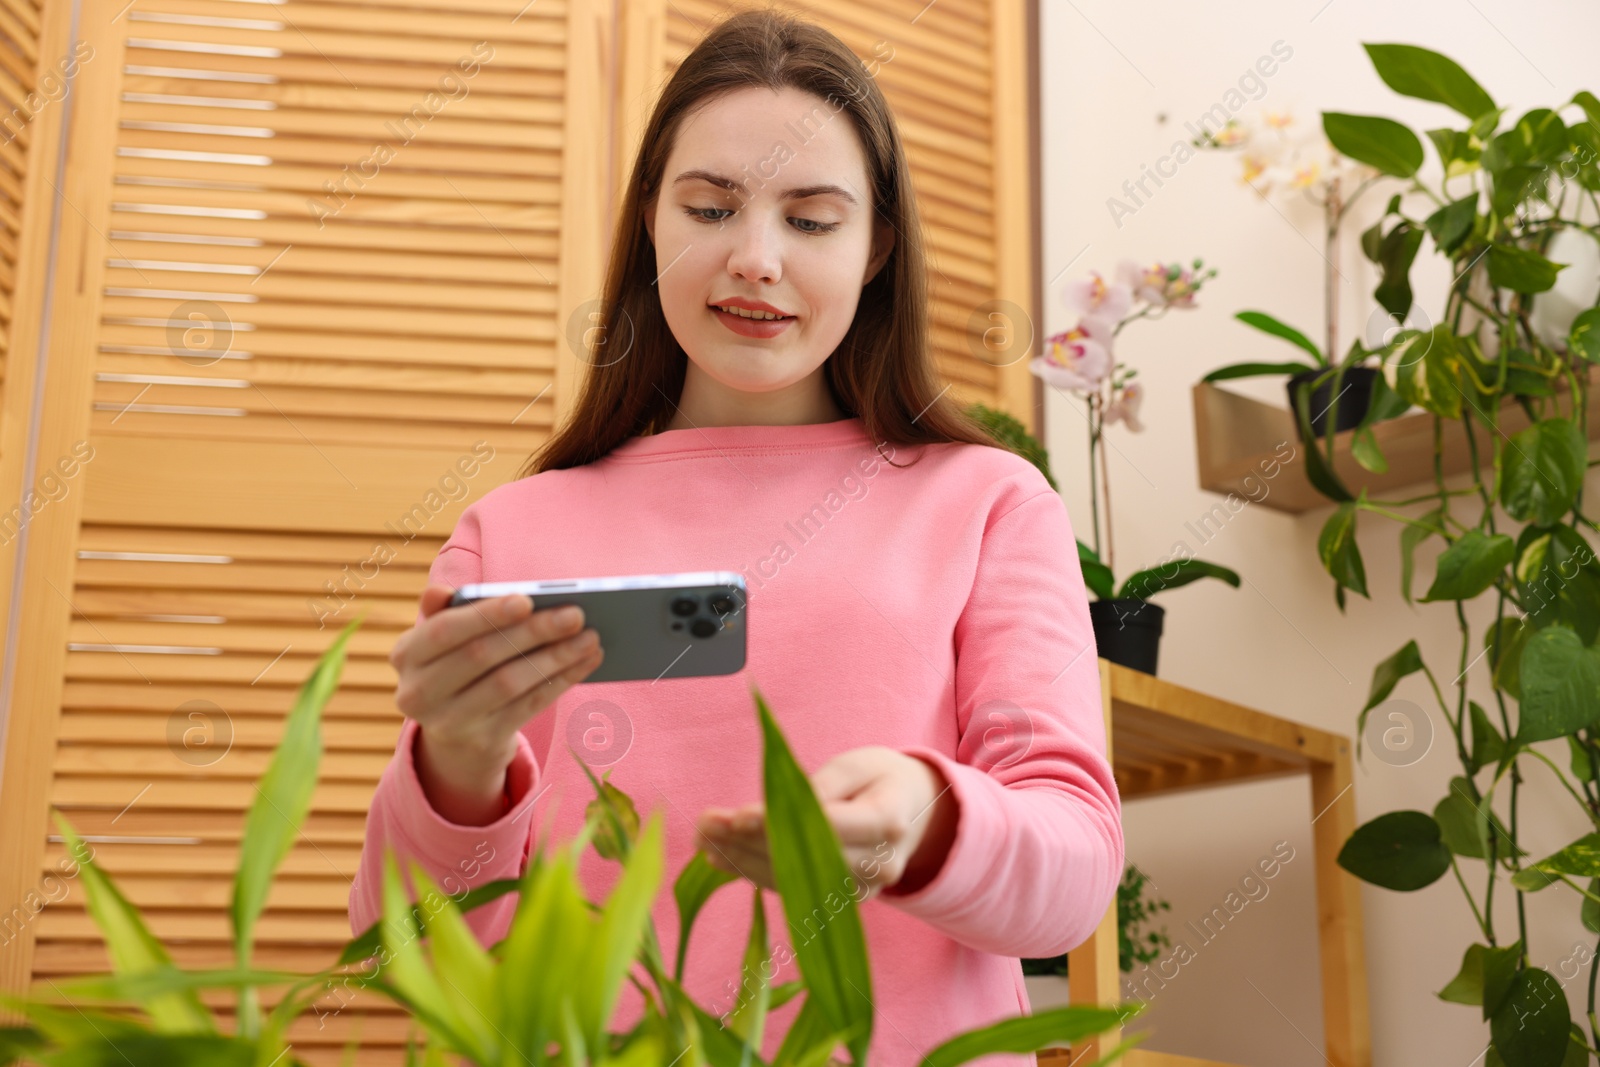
1241,444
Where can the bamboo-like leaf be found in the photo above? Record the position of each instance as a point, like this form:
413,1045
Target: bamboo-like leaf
408,969
71,1025
282,800
807,1034
809,869
370,940
695,884
543,953
749,1015
466,972
622,925
133,948
159,981
156,1050
1029,1033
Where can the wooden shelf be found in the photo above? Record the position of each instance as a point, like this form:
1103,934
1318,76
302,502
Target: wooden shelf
1165,738
1238,438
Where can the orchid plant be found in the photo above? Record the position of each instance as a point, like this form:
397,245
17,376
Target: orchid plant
1280,160
1081,359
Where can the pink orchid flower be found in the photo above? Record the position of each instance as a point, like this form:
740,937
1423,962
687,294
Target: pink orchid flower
1092,296
1079,358
1126,407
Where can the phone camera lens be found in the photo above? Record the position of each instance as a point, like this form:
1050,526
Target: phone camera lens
722,604
684,605
703,627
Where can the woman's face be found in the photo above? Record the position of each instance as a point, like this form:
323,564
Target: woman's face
765,199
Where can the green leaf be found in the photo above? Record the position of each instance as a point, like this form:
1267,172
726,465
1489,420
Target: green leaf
809,869
279,808
1412,535
1255,370
622,925
1180,572
1428,75
1516,268
1470,565
466,972
408,970
1560,686
1582,760
1400,850
542,955
748,1017
1584,339
1096,575
1543,469
1451,224
1385,676
617,817
1336,546
1379,142
1558,580
1318,473
17,1041
1457,154
1591,106
370,942
1533,1024
1487,745
146,984
1267,324
1506,664
149,1050
1499,966
1590,912
1030,1033
1364,447
1396,253
1467,986
131,945
1427,371
1465,823
695,884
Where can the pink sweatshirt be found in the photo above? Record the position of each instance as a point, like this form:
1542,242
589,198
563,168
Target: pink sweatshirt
937,609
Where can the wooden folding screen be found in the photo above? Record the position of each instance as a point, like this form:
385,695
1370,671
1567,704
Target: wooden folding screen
300,291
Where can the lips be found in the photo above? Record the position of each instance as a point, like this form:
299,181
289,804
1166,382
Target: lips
756,328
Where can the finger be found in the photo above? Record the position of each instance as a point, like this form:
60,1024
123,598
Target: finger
478,639
434,598
846,775
866,820
751,865
541,684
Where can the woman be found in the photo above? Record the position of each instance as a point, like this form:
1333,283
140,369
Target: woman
919,628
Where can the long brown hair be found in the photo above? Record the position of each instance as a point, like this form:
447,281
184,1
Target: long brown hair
881,371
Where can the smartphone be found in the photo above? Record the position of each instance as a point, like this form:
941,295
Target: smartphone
651,626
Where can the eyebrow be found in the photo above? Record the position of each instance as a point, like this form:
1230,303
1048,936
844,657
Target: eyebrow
799,193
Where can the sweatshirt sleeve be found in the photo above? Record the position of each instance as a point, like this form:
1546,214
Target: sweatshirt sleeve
457,858
1038,849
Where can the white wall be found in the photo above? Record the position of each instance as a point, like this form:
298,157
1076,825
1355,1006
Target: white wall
1279,643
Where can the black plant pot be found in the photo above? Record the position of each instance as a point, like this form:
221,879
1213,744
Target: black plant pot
1355,396
1128,631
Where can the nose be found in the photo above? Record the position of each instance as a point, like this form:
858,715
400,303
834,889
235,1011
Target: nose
755,254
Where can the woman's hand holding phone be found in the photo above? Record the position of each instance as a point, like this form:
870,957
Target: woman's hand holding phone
471,676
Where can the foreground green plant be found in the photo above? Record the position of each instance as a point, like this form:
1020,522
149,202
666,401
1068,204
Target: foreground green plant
545,994
1542,654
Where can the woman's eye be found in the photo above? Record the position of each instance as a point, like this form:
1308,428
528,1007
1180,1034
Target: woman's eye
702,214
